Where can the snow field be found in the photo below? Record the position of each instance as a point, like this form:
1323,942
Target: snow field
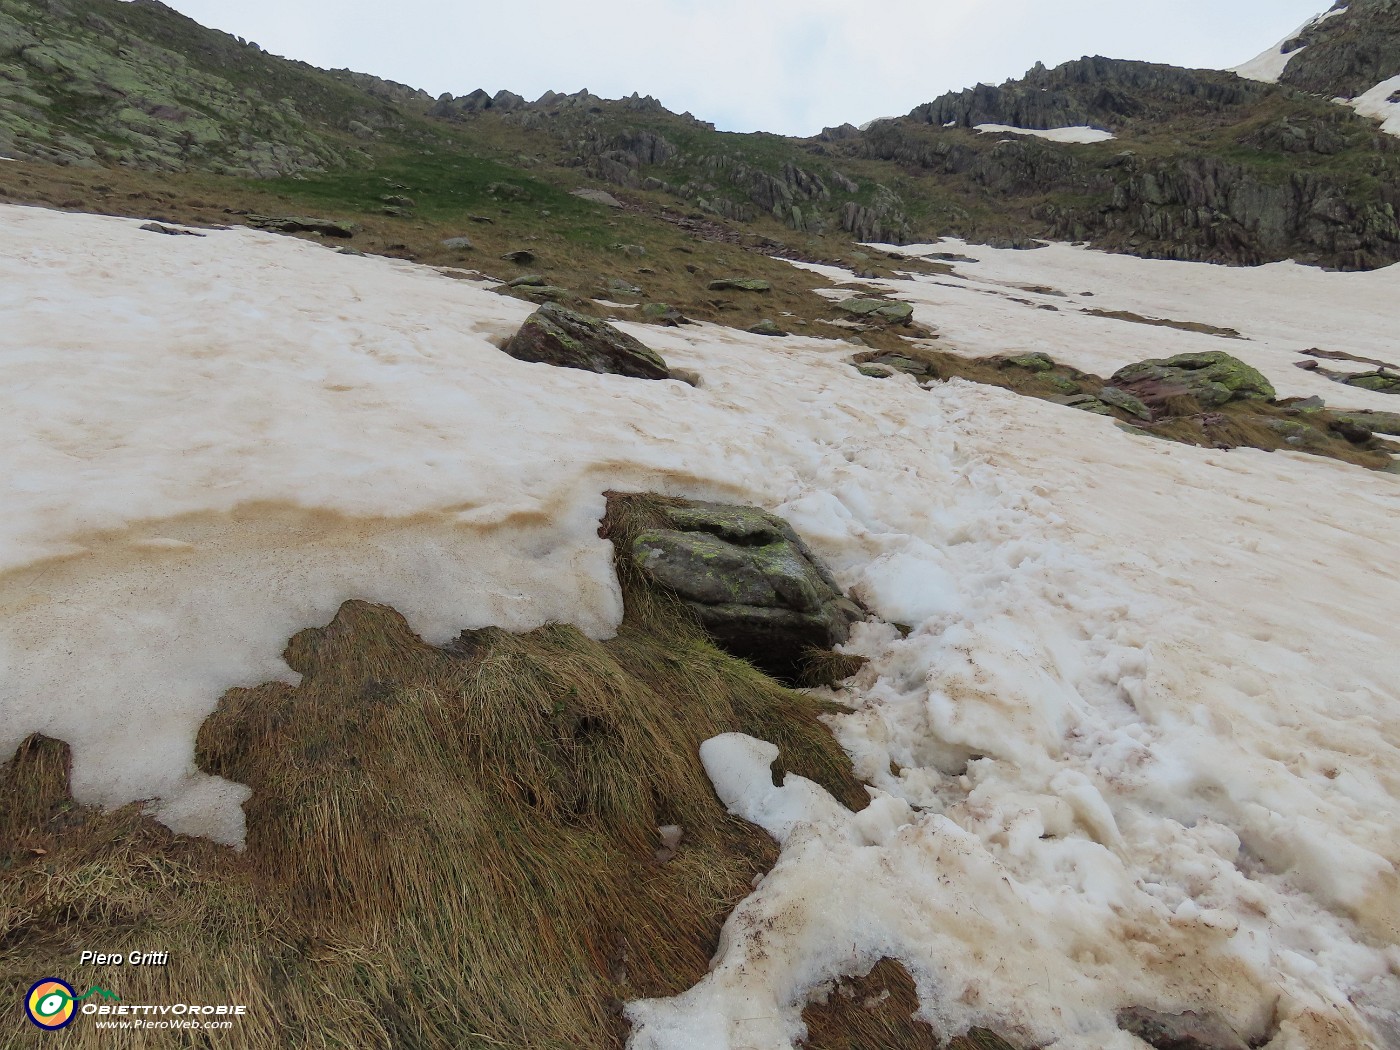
1140,747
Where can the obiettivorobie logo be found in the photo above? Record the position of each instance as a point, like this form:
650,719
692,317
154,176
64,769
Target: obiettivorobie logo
52,1004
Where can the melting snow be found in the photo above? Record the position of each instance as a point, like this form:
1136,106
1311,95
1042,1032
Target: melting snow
1079,134
1377,103
1142,746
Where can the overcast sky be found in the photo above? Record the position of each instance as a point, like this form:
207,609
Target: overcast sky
790,66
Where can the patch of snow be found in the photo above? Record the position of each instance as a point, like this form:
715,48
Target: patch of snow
1270,65
878,120
1376,103
1079,134
1141,747
951,124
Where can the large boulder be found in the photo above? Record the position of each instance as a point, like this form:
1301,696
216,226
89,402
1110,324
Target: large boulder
556,335
1213,379
756,587
302,224
881,310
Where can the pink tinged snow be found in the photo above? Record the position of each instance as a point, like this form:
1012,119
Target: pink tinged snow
1141,746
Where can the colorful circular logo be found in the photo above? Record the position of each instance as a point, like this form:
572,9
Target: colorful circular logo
50,1004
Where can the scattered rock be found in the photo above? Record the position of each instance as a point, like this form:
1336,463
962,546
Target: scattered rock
617,286
875,371
1126,402
350,251
485,219
1213,379
758,590
458,244
1376,422
664,313
1036,362
1184,1031
155,227
529,280
598,197
302,224
559,336
1381,381
877,310
522,256
550,292
767,327
396,200
740,284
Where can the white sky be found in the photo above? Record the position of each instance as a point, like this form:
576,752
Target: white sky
790,66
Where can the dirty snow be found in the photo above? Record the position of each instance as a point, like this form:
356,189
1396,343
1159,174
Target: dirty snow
1020,301
1141,747
1377,103
1080,134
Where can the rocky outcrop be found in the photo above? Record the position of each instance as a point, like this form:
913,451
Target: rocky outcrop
1348,54
1097,91
556,335
879,310
881,221
302,224
754,585
1213,379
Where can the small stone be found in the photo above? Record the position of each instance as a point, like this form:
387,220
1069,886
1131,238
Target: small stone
522,256
766,327
598,197
458,244
740,284
155,227
529,280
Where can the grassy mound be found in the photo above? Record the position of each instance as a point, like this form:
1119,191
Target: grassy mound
452,847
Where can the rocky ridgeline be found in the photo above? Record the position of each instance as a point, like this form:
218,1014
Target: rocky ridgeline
1264,191
1103,92
595,135
1348,54
98,82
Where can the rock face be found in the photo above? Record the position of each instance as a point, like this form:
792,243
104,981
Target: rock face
1347,54
1100,91
1213,379
556,335
758,590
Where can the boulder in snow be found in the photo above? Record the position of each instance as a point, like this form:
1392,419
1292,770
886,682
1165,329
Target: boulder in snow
756,587
556,335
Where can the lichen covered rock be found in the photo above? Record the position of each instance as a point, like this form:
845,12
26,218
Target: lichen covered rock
556,335
1213,378
755,586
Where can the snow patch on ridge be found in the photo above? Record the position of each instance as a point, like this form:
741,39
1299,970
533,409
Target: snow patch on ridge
1269,66
1080,134
1377,103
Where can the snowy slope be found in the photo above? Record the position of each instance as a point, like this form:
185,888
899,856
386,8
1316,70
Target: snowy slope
1377,103
1142,746
1270,65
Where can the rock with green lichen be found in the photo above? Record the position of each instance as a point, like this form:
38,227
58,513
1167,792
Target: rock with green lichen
767,327
1126,402
754,584
556,335
740,284
1382,381
1036,362
877,310
1213,378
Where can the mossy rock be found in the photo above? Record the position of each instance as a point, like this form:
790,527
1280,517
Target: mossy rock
755,586
556,335
740,284
877,310
1380,381
1036,362
1213,378
767,327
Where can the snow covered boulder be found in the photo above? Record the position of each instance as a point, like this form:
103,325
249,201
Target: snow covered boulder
556,335
757,588
1213,379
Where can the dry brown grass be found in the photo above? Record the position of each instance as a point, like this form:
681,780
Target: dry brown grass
447,847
